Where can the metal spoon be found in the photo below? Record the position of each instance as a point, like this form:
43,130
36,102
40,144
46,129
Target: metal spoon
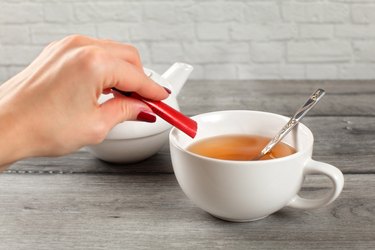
301,112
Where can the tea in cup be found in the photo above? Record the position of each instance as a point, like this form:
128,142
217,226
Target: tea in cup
239,148
239,189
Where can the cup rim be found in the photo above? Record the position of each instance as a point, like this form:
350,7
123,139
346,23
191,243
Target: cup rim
298,153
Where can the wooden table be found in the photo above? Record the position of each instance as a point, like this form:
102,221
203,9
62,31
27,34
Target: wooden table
78,202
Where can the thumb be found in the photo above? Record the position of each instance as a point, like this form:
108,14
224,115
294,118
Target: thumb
122,108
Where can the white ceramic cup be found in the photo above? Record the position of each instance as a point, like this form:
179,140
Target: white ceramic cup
249,190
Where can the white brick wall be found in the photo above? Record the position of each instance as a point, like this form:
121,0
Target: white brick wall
223,39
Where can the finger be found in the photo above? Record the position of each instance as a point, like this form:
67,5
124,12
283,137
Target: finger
125,52
121,109
75,41
125,76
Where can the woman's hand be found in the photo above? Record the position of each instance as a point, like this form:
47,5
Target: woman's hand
51,107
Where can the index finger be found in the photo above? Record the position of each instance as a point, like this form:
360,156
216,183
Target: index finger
127,77
123,51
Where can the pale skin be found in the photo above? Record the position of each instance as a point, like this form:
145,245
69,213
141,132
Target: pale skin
51,107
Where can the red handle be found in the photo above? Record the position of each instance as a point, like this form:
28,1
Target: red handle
167,113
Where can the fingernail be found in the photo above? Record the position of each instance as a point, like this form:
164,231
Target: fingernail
168,90
145,116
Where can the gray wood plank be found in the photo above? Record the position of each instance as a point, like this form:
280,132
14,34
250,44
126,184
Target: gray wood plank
346,142
150,211
345,98
78,202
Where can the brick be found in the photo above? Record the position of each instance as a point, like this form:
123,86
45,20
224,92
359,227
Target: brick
151,31
107,11
171,13
262,12
18,55
14,34
159,68
355,31
46,33
3,74
160,12
315,31
166,52
144,51
212,31
318,71
363,13
198,72
58,12
291,71
357,1
218,12
113,30
319,51
271,71
220,71
316,12
364,51
263,32
264,71
311,39
216,52
267,52
357,71
21,12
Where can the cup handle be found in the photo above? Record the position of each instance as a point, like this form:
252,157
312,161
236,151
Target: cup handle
333,173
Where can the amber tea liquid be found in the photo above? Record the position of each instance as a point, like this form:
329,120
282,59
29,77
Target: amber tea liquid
238,147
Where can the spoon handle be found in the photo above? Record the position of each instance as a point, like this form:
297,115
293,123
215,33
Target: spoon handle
310,103
301,112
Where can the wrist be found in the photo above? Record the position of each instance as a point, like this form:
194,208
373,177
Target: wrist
13,146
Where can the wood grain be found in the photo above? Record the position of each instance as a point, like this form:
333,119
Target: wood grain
150,211
346,142
79,202
344,98
343,123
